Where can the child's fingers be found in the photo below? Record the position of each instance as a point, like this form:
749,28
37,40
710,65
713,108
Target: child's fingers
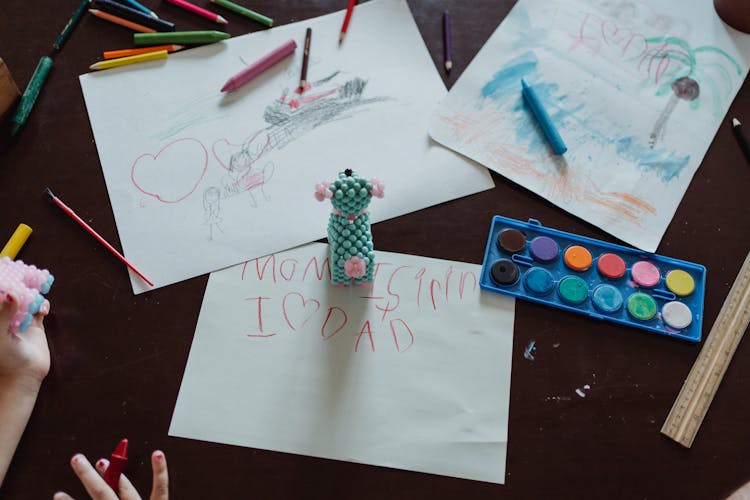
160,488
61,495
91,480
125,488
8,306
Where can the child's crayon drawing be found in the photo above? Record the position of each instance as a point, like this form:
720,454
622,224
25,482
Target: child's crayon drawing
637,91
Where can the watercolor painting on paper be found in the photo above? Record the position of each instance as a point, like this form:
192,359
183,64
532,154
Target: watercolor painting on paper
636,89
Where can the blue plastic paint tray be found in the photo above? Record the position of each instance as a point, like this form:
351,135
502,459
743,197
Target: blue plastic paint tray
605,281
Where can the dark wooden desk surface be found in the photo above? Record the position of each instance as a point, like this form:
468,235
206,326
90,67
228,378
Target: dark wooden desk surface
117,359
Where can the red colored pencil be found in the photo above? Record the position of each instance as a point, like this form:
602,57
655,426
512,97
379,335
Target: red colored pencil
349,10
65,208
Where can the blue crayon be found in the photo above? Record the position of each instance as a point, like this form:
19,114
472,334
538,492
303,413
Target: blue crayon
553,136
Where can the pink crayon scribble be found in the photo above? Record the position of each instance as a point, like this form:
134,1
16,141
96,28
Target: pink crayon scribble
289,310
344,320
235,157
172,174
261,333
365,330
395,336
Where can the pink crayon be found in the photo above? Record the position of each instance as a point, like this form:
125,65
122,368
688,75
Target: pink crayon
259,66
26,284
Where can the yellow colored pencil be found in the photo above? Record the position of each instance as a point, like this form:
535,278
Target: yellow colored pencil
112,54
122,61
122,22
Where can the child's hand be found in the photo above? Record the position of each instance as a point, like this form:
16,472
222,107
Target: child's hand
24,357
96,487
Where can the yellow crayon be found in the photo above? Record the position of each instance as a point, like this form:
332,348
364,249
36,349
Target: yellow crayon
16,242
122,61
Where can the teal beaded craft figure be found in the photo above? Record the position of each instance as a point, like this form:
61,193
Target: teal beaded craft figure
349,236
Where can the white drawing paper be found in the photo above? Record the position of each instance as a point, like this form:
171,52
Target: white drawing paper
636,89
200,180
411,372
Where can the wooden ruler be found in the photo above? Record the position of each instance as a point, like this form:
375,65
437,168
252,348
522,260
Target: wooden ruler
699,388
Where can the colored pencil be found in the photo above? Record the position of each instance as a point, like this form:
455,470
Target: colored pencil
68,29
259,66
30,94
243,11
347,18
182,37
65,208
122,22
305,60
124,61
133,15
113,54
140,7
741,138
191,7
545,122
447,41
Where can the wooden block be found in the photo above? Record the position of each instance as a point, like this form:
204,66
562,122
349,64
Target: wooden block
9,93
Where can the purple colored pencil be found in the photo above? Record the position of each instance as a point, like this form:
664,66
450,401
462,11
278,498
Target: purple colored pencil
259,66
447,40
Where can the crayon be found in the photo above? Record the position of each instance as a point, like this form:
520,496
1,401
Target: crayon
142,8
347,18
30,94
116,464
182,37
259,66
72,22
238,9
545,122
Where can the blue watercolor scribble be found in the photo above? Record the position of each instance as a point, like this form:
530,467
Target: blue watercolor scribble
507,81
666,165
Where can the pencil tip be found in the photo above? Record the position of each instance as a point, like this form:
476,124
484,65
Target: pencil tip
341,38
448,65
15,128
49,193
153,14
221,20
736,122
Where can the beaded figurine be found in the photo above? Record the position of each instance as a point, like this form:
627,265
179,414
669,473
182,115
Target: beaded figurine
349,236
26,284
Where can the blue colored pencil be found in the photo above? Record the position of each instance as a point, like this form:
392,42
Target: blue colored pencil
140,7
545,122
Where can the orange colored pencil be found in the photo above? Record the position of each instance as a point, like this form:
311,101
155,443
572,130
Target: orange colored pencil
114,54
122,22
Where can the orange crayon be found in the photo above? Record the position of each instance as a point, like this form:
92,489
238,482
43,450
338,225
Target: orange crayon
114,54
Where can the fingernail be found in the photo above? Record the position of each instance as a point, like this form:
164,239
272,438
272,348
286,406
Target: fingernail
77,458
100,463
159,455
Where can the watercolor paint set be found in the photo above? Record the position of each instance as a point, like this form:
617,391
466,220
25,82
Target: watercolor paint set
602,280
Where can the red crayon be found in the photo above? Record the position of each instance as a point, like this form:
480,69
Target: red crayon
116,464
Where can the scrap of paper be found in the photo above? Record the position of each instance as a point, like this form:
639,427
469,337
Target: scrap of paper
411,372
637,91
200,179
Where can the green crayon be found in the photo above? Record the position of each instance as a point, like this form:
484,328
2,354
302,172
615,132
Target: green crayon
68,29
30,94
239,9
181,37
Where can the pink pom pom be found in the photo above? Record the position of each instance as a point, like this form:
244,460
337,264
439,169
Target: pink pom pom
378,188
355,267
25,285
322,192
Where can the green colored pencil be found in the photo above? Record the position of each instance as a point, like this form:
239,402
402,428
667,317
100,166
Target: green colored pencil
182,37
30,94
68,29
239,9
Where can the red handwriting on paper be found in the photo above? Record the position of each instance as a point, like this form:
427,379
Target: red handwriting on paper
394,287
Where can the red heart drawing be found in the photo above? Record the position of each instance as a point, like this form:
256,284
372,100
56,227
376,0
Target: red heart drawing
172,174
299,313
240,157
